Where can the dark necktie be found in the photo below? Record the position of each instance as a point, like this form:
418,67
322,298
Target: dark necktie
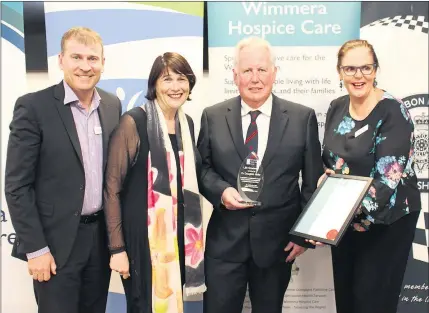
252,133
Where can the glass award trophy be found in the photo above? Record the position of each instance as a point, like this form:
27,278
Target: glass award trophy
250,180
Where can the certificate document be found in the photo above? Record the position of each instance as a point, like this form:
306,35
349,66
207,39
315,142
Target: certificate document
331,208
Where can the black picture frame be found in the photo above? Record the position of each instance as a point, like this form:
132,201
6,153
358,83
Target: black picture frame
311,205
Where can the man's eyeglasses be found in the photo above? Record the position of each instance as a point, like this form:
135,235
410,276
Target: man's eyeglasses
366,69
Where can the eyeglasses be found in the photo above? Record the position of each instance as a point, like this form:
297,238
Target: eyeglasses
366,69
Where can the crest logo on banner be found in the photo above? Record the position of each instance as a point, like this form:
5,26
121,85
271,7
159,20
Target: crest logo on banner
418,105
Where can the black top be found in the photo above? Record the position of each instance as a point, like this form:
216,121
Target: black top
173,140
180,209
382,147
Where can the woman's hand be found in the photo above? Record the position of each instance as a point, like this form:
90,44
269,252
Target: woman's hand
328,172
119,263
315,243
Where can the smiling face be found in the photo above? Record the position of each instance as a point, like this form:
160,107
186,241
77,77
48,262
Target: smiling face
358,72
82,65
254,75
172,90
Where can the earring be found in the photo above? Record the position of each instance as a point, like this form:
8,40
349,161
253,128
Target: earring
341,85
375,83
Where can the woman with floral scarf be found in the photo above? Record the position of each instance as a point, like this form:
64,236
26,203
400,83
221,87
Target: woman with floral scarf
152,203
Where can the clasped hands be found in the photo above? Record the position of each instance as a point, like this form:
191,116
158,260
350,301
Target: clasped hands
119,263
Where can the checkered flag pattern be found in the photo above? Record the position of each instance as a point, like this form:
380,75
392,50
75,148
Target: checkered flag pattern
411,22
420,250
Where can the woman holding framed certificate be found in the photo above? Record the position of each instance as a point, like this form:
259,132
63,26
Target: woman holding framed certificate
370,133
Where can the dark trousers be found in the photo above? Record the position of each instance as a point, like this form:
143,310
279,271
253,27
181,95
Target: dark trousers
227,283
369,267
81,286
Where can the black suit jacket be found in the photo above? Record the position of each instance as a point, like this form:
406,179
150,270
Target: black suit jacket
45,179
293,146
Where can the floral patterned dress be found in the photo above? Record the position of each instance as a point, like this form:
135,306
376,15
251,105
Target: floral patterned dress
381,147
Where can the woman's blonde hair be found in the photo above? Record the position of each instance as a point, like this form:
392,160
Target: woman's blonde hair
356,43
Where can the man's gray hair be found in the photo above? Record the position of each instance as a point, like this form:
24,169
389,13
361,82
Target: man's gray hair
253,41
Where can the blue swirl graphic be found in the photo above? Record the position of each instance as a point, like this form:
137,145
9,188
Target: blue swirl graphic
116,304
13,37
121,25
132,91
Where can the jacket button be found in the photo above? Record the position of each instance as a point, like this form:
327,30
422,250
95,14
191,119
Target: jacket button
77,213
253,213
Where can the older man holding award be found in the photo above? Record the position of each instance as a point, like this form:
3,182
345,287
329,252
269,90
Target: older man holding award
253,148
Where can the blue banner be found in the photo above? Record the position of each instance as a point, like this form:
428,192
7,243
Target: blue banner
283,23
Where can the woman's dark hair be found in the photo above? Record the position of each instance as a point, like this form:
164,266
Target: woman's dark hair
169,61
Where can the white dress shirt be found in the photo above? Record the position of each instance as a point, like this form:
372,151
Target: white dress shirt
263,123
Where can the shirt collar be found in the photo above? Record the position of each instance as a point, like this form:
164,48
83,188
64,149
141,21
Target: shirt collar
265,108
70,96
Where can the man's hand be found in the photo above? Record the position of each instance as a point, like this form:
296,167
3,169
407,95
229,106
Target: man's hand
231,198
42,266
297,250
119,263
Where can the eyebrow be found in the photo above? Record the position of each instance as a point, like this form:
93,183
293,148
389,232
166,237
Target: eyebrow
360,65
168,75
89,56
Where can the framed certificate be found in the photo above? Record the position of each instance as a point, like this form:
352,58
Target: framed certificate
331,209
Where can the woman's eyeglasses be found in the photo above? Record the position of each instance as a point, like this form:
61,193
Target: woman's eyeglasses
366,69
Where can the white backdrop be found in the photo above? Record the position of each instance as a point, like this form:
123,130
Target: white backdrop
14,274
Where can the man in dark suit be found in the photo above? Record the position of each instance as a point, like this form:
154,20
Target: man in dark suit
250,245
54,174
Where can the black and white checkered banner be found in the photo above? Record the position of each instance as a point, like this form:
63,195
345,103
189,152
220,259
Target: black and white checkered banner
409,21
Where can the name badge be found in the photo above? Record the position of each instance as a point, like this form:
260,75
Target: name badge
97,130
361,131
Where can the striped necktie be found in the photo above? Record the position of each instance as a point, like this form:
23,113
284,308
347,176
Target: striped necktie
252,133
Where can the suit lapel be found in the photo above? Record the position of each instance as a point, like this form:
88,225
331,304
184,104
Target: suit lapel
67,118
233,119
278,122
102,113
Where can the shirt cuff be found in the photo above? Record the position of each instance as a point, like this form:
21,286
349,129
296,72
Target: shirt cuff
117,250
38,253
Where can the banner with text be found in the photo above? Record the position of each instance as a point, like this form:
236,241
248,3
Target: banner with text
396,30
134,34
305,37
13,72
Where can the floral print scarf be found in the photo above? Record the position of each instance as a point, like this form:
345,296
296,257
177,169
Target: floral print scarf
168,296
